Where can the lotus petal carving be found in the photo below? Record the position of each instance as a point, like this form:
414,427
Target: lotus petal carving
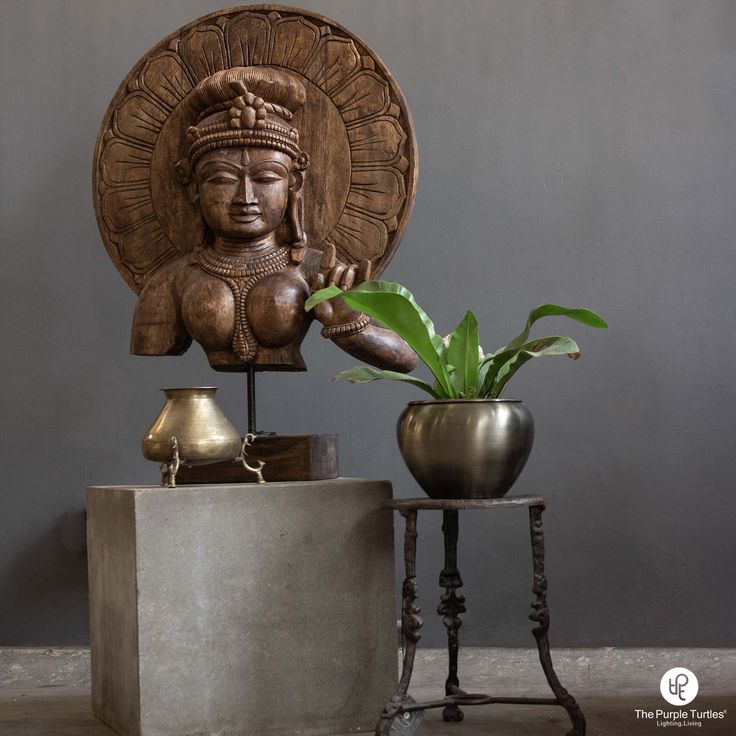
292,42
377,191
248,39
123,163
335,60
377,141
165,78
139,118
144,247
125,208
203,51
364,95
359,236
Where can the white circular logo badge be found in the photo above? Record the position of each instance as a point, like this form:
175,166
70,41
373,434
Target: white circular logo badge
679,686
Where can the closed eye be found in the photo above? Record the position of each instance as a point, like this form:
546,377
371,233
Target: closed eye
268,171
221,179
268,176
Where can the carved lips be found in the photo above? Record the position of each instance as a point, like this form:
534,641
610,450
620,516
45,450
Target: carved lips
245,214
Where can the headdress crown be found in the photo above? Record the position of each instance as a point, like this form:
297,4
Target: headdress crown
247,106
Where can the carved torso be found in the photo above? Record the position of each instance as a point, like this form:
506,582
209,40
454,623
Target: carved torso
259,127
250,312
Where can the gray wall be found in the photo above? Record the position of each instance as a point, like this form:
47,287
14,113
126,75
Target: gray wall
575,152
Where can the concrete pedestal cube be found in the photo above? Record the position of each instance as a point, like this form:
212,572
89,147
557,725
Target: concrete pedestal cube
239,610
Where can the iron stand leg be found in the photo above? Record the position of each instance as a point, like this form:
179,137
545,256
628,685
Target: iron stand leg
540,615
251,392
452,604
410,623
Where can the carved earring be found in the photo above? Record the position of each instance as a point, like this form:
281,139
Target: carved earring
295,221
183,171
186,178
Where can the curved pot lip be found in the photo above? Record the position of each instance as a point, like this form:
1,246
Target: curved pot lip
189,388
193,390
465,401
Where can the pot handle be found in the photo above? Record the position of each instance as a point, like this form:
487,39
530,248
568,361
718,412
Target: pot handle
248,440
170,468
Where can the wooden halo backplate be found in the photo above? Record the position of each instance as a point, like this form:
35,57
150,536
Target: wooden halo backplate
355,126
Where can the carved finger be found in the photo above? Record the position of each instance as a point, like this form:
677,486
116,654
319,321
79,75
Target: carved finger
348,278
336,274
329,257
318,281
364,271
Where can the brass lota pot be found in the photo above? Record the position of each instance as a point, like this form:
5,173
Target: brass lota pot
466,448
203,433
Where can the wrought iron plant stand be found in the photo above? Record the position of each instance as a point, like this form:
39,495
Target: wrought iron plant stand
400,709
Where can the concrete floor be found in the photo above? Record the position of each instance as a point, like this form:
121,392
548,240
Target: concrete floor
65,711
46,692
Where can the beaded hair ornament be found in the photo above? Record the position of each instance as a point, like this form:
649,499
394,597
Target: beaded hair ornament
247,106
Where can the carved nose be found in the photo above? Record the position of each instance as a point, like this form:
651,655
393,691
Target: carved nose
246,194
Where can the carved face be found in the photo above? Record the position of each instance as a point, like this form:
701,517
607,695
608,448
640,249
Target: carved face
243,191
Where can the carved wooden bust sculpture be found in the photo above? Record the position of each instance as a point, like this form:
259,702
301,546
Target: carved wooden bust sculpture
241,294
250,158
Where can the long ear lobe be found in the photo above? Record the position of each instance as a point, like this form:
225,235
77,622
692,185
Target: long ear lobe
296,181
187,179
183,171
295,217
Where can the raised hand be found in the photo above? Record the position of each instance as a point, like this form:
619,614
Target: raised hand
332,272
335,273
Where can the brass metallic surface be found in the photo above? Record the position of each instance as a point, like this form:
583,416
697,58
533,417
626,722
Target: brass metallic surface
203,433
170,468
248,440
466,448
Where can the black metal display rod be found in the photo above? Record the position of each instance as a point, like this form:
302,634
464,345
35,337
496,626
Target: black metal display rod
251,391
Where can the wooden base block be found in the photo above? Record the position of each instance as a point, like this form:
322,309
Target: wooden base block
286,458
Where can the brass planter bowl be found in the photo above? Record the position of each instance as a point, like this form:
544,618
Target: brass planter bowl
203,433
472,448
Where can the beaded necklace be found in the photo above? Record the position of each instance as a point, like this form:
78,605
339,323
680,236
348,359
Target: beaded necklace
241,274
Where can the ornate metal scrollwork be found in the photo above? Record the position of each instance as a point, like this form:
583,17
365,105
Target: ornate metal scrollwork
540,615
248,440
452,604
170,468
411,623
